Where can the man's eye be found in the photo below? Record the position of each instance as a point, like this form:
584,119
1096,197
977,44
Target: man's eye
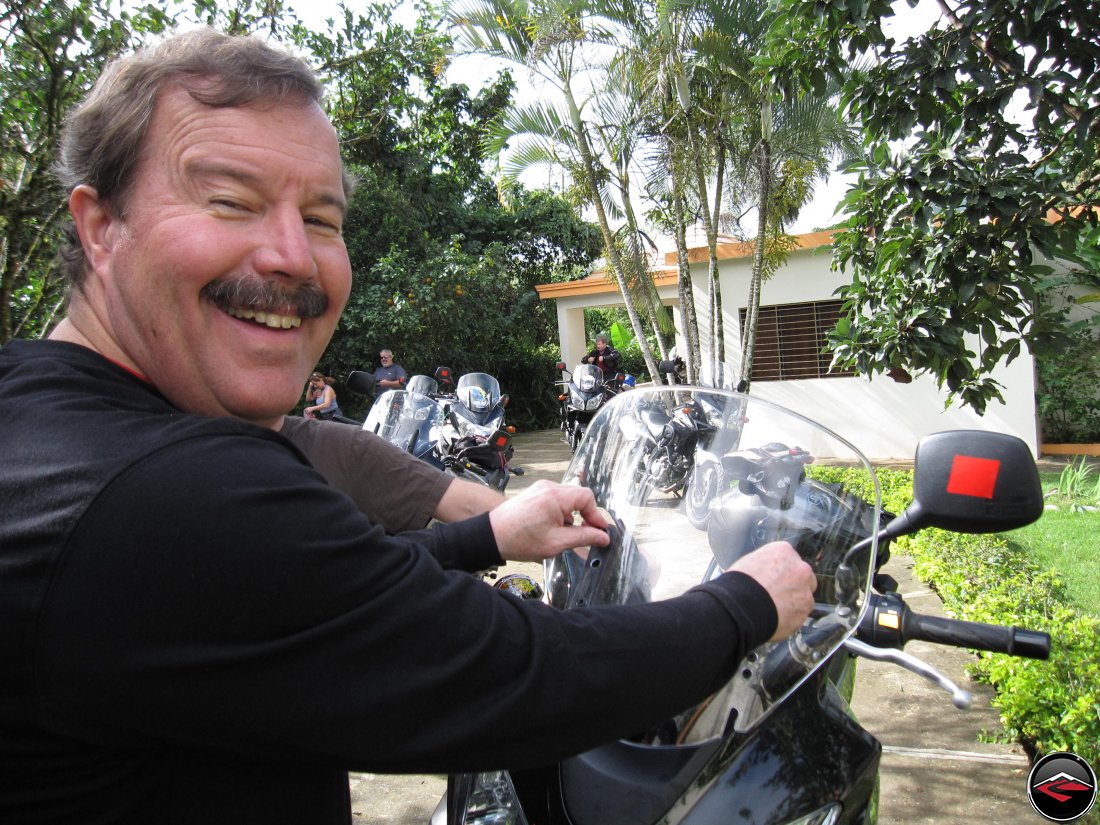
323,223
226,203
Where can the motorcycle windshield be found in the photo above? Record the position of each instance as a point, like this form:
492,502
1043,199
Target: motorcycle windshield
399,416
478,395
423,385
769,474
587,377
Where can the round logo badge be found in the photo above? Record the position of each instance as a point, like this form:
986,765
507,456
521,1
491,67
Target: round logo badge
1062,787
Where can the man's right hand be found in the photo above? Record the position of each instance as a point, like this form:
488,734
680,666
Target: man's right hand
789,580
538,523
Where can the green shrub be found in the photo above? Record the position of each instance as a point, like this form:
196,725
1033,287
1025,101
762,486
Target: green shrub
1069,406
1048,706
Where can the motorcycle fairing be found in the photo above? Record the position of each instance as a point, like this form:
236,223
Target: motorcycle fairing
659,554
478,395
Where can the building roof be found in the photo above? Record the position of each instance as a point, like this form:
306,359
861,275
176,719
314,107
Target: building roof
665,274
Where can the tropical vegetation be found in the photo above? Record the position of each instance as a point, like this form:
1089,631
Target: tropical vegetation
974,147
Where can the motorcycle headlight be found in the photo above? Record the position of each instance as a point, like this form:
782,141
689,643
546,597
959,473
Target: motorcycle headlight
492,801
467,428
593,403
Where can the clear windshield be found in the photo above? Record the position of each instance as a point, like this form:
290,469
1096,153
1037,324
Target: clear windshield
478,391
757,473
399,415
587,377
423,385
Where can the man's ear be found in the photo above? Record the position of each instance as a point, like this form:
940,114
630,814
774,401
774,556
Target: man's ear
94,225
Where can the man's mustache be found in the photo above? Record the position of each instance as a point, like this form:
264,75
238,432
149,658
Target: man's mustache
304,300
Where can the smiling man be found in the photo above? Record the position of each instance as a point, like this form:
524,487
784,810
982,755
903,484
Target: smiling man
194,626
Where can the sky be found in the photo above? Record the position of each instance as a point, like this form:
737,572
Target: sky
476,72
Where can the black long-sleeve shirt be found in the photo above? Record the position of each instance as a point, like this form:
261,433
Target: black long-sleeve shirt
195,627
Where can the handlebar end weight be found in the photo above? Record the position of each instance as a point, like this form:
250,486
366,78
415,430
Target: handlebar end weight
1031,644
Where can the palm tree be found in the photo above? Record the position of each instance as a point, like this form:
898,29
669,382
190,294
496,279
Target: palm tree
784,152
554,41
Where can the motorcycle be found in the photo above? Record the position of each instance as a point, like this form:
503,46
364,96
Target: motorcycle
582,393
408,417
670,434
461,431
474,440
778,744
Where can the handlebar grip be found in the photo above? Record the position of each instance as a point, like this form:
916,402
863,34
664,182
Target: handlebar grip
1016,641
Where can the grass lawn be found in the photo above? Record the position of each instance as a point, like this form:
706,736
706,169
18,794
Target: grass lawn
1067,540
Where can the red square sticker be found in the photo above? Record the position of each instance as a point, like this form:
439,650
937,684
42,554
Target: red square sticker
972,476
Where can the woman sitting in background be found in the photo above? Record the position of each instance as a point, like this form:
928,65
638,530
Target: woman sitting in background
321,398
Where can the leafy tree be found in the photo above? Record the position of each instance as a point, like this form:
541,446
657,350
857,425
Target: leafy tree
555,39
50,54
444,274
964,196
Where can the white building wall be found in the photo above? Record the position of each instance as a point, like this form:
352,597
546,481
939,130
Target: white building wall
882,418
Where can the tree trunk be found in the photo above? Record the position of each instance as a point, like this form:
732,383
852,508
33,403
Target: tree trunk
752,315
614,260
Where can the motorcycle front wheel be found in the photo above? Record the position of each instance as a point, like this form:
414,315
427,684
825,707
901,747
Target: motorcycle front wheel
575,436
700,492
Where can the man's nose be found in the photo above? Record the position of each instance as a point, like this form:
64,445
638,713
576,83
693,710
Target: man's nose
285,248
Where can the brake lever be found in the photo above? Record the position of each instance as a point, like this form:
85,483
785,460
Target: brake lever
959,698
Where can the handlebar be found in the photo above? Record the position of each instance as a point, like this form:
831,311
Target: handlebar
889,622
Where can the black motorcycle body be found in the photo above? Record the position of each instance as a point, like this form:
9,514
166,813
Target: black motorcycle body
778,744
668,433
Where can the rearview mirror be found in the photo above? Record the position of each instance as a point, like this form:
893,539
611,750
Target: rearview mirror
500,441
360,382
971,481
443,376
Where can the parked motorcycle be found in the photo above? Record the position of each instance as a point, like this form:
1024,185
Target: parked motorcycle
474,440
777,745
582,393
409,417
667,433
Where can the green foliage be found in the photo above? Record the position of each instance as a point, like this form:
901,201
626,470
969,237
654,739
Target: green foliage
1069,405
1079,482
50,54
895,486
950,233
466,301
1051,705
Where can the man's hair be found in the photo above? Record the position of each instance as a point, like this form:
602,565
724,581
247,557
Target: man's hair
602,336
103,137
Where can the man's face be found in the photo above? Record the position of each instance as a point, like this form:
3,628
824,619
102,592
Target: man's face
224,279
601,345
386,358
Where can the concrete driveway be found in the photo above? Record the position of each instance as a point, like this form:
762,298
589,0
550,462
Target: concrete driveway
935,769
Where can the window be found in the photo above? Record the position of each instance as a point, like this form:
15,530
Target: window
790,341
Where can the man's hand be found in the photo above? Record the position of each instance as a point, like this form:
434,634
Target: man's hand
788,579
538,523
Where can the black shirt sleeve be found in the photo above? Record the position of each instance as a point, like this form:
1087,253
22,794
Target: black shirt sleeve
220,596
